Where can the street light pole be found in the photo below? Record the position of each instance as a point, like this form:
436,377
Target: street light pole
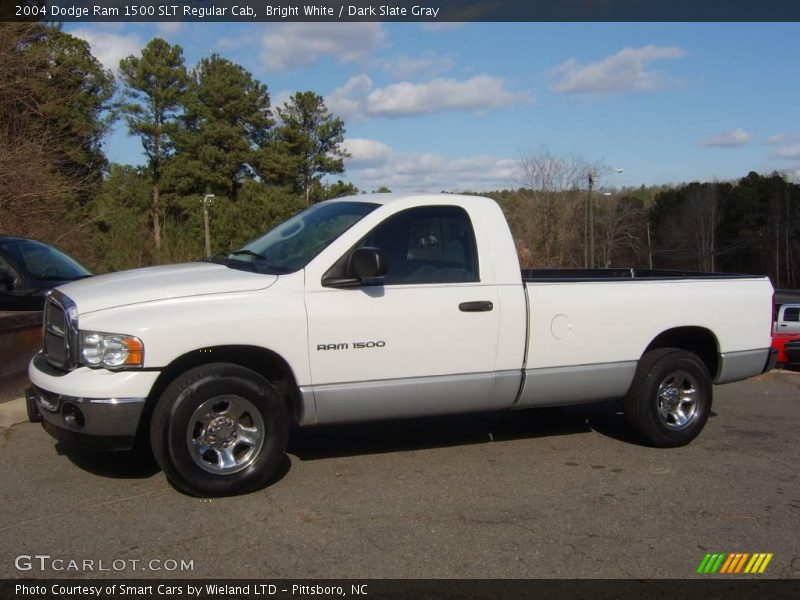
206,200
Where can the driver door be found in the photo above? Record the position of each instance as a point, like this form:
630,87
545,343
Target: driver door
423,342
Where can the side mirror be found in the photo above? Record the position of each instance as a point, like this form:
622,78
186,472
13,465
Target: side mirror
365,266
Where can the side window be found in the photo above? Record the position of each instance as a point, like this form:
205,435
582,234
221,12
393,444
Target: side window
791,314
7,275
430,244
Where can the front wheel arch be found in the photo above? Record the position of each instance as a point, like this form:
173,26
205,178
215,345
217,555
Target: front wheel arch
267,363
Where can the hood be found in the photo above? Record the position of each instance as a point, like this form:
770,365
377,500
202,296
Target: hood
161,283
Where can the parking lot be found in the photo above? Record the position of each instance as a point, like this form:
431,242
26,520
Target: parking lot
542,493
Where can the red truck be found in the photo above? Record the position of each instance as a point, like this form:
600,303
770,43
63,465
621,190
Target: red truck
788,347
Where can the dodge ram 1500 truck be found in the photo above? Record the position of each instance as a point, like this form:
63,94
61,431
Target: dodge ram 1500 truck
378,307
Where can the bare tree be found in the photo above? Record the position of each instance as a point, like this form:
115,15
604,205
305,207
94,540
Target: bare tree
620,223
692,223
551,220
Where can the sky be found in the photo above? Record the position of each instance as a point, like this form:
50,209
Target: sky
443,106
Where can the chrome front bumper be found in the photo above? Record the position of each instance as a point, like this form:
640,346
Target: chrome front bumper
103,423
88,407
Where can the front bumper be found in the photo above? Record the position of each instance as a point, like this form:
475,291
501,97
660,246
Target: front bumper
92,408
97,423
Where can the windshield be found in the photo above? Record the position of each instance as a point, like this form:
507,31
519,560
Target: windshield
291,245
43,262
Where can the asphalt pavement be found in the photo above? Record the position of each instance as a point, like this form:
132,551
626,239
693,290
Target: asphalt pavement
541,493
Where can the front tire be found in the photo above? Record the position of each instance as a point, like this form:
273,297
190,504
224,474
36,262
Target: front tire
669,401
219,429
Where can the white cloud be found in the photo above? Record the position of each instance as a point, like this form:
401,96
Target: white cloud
374,164
366,153
348,100
280,98
109,48
626,71
789,151
357,97
728,139
408,67
292,45
782,138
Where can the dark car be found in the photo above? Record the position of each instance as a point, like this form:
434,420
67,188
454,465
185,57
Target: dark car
29,268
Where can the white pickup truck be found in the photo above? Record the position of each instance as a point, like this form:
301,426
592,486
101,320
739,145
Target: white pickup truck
378,307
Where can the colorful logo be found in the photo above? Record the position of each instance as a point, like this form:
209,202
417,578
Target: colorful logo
740,562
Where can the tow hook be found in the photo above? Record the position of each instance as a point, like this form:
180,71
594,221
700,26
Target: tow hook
34,416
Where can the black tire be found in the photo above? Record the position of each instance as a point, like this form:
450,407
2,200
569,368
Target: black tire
672,368
178,405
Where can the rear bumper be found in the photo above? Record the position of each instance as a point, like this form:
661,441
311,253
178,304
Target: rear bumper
98,423
772,359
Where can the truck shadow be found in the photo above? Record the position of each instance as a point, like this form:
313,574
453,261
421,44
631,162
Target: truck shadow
138,464
132,464
604,418
333,441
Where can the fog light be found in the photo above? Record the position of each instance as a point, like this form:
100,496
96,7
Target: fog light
73,416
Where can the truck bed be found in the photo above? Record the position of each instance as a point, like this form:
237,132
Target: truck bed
588,328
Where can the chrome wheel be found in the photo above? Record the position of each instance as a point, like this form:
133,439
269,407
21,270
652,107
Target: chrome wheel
225,434
677,399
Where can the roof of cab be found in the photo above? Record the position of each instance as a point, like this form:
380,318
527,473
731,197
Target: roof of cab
386,198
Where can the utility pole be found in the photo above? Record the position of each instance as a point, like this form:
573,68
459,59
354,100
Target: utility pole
206,200
649,246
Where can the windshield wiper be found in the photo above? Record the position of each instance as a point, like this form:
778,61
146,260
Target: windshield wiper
248,253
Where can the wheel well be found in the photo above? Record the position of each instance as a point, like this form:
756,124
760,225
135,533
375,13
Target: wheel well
266,363
697,340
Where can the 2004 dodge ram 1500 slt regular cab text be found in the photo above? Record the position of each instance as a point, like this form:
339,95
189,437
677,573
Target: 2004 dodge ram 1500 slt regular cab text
377,307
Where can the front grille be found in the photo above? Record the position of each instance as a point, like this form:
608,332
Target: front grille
60,331
55,349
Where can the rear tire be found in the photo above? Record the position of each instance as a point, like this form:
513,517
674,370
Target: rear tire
669,400
219,429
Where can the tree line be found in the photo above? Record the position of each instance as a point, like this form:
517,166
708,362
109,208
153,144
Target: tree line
213,130
206,130
751,225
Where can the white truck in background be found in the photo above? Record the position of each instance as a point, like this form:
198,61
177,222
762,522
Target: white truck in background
378,307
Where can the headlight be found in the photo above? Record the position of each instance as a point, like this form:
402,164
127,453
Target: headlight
111,350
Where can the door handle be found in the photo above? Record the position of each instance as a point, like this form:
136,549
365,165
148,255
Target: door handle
478,306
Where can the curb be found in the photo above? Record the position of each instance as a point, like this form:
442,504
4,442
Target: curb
13,412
